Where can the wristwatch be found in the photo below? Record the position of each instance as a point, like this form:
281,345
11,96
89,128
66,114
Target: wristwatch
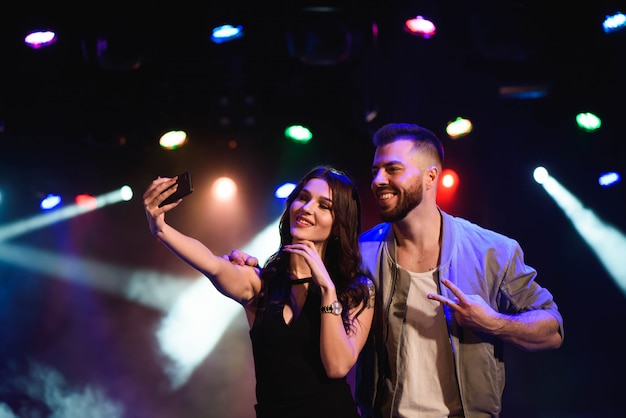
334,308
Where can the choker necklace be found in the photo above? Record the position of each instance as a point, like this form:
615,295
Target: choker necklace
301,281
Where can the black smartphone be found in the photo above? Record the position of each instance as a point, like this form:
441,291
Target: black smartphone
184,188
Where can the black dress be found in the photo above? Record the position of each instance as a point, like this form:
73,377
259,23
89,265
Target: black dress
290,379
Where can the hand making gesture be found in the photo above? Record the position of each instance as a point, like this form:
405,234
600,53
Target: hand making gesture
470,311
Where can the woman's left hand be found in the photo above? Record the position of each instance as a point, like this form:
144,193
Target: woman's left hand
306,249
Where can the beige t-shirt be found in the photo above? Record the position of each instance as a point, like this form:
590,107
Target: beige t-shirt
430,389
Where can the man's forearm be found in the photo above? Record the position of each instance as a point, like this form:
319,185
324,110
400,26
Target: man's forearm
531,330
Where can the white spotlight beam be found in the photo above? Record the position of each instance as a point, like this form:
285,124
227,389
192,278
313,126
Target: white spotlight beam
178,333
607,242
24,226
187,302
146,287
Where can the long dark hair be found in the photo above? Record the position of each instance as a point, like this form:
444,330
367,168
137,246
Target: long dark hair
342,256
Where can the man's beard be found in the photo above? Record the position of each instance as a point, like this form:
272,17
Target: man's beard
407,201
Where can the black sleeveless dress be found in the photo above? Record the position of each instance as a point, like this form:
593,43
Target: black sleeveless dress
290,378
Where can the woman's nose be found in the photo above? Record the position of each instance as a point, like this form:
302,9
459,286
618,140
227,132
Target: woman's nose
308,206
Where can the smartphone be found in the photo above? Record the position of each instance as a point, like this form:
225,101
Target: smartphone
185,188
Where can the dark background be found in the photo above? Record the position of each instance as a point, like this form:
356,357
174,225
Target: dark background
79,122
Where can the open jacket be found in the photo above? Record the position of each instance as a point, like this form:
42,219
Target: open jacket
478,261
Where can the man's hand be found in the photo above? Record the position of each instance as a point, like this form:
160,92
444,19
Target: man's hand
240,258
530,330
470,311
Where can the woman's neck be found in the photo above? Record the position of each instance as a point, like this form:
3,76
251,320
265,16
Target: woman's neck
298,268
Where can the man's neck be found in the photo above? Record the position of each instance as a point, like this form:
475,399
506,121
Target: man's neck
418,229
418,243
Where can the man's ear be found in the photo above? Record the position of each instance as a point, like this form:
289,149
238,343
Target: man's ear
432,176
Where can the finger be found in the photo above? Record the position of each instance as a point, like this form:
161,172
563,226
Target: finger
455,290
301,250
252,261
307,248
293,249
159,181
443,300
237,257
438,298
169,183
156,187
309,244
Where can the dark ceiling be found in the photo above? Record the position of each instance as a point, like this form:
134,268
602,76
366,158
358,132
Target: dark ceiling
74,115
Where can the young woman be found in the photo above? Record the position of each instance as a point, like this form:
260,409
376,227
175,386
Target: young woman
309,309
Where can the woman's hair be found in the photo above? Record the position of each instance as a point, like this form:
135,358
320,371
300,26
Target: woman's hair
342,256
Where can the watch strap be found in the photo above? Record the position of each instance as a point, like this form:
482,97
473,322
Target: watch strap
334,308
326,309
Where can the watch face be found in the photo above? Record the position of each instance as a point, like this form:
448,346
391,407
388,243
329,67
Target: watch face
334,308
337,308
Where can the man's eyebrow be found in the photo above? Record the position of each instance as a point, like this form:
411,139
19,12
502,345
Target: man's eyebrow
387,163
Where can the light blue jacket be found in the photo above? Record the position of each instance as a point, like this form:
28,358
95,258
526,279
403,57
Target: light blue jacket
479,262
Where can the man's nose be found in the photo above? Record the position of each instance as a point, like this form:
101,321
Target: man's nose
379,178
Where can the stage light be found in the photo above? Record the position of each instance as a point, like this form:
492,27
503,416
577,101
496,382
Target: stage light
614,23
51,201
370,115
86,200
39,39
419,26
226,33
459,127
609,179
448,185
298,133
283,191
540,174
126,193
588,121
449,180
224,189
173,139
